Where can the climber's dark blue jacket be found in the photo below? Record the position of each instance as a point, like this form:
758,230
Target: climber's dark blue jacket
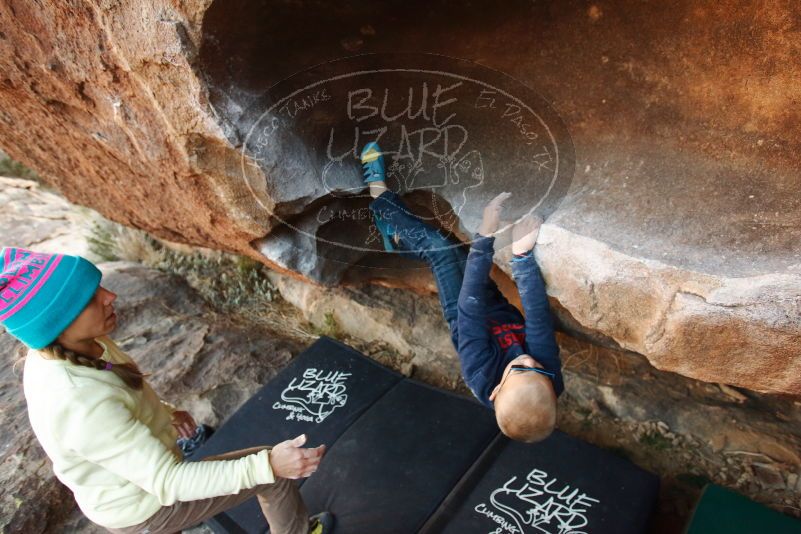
490,330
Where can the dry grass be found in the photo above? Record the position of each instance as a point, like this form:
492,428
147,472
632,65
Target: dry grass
233,285
15,169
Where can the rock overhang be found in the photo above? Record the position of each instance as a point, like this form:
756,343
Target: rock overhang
678,237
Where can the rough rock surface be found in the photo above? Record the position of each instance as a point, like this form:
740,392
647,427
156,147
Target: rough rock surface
678,239
34,217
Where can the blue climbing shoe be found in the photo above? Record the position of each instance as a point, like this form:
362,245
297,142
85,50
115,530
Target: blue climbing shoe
374,171
373,163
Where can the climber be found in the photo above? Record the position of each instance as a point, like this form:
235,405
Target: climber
511,364
111,439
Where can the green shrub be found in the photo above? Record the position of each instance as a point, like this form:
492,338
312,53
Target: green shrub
13,168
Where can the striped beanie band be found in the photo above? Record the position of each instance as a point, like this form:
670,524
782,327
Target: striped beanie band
41,294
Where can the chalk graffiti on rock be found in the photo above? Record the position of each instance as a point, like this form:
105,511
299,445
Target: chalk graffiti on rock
538,503
453,134
314,396
429,155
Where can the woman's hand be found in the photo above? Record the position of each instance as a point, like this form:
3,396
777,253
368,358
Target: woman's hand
289,460
524,233
183,423
492,215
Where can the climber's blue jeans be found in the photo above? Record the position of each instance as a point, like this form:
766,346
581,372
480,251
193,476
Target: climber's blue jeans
421,241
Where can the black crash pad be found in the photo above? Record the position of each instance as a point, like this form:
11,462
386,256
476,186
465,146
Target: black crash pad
390,470
558,485
320,393
404,457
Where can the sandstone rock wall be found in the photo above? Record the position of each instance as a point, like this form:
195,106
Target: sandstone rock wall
102,99
678,237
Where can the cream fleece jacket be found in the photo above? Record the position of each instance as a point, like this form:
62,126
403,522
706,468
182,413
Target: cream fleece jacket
114,446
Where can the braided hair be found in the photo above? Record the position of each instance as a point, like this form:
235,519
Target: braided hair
128,372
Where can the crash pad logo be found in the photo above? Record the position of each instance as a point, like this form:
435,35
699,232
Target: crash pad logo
453,135
314,396
538,503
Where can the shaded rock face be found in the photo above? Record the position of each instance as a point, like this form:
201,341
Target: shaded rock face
677,238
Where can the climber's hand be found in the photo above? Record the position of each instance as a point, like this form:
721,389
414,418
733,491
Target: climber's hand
524,233
183,423
492,215
289,460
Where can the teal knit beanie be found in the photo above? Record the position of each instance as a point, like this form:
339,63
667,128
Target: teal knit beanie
42,294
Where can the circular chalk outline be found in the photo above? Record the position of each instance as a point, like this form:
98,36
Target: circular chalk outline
244,157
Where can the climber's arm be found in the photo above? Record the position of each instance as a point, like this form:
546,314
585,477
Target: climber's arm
474,338
479,262
475,347
540,333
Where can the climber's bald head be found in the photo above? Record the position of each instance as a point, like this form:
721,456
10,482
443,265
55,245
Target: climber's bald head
525,403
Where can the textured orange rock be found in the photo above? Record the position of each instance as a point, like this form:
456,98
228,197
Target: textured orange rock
679,240
102,100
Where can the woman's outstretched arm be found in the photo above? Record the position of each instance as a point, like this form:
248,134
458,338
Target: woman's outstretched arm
96,423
